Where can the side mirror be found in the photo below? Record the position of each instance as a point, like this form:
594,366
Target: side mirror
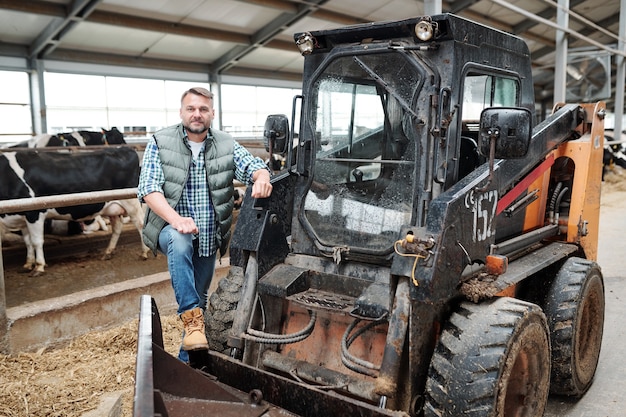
509,128
276,133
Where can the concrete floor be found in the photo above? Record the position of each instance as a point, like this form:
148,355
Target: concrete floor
606,397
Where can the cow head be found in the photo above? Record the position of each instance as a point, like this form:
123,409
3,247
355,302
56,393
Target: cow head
113,136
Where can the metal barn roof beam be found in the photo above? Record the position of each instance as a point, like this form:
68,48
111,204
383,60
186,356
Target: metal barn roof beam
558,27
265,34
49,38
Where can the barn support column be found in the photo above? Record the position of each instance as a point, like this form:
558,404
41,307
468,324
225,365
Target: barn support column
560,69
37,97
4,324
216,86
620,78
432,7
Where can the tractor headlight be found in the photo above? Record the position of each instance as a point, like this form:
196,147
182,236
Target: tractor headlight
305,43
424,30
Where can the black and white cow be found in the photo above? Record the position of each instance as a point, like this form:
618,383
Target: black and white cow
77,138
613,156
47,139
105,137
27,174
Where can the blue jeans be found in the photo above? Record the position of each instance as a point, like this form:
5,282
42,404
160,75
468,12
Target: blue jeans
190,274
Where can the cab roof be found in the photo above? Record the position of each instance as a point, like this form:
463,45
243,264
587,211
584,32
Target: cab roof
449,28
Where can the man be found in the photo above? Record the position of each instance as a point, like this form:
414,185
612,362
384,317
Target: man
186,181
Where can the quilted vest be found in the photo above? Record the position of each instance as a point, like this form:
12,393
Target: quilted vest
176,160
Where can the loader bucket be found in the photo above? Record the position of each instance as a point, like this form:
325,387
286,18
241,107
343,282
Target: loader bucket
167,387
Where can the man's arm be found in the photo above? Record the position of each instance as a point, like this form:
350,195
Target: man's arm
252,169
157,203
150,190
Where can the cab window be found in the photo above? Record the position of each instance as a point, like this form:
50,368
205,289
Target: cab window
479,92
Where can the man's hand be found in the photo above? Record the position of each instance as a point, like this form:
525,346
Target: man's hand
184,225
157,202
262,188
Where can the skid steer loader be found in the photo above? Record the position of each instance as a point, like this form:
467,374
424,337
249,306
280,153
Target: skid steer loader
428,249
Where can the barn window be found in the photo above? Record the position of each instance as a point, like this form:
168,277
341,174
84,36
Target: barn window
14,107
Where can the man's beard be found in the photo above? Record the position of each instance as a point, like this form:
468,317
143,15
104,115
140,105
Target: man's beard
198,130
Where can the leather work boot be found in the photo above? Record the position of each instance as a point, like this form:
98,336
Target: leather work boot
193,322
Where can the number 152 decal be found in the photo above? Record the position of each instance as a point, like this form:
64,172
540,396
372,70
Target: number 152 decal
483,206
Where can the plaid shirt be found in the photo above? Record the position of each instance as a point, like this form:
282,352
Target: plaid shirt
195,201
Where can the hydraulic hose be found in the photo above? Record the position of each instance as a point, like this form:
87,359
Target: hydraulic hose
282,339
350,361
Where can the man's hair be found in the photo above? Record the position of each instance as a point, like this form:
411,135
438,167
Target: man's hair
199,91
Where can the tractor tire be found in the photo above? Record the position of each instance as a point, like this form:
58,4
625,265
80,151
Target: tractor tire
492,359
221,308
574,307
